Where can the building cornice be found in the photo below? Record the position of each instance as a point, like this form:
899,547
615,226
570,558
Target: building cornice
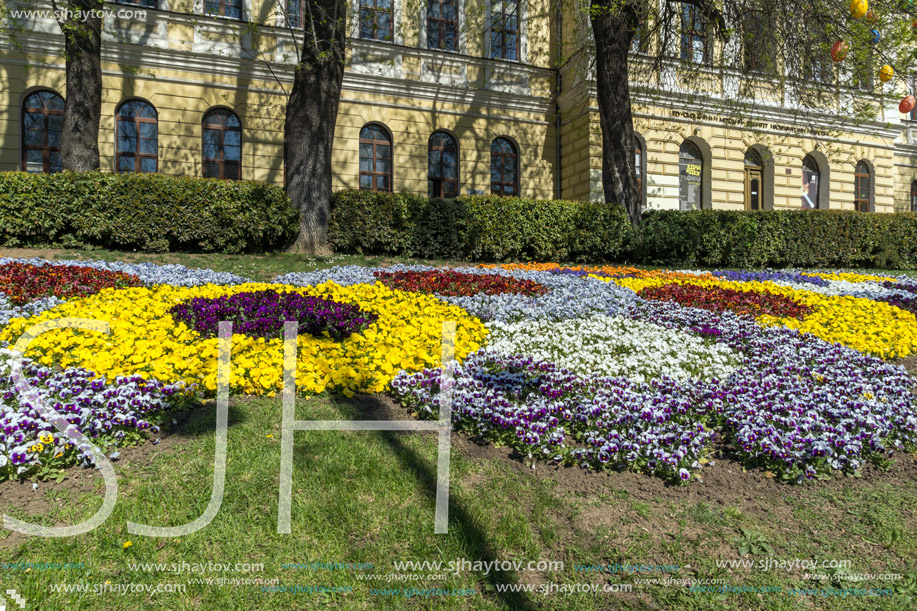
172,60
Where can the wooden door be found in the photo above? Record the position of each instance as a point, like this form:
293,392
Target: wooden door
752,189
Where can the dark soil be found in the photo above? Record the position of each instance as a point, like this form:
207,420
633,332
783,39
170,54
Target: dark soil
83,480
725,483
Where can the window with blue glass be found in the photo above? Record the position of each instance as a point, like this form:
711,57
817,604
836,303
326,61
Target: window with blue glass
144,3
376,17
504,30
442,166
137,137
42,119
695,44
375,158
504,168
222,145
442,24
231,9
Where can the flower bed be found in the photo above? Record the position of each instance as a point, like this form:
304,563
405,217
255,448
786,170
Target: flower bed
23,283
112,415
147,340
603,367
263,313
614,346
715,299
450,283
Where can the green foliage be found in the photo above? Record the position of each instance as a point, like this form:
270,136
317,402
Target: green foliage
777,238
491,228
149,212
477,228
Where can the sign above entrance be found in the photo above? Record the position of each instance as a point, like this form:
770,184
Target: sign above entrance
795,130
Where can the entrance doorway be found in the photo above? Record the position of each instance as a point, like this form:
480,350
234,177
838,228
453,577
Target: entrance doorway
754,171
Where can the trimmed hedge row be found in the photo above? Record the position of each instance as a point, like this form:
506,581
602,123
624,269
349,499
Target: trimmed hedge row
476,227
491,228
150,212
777,238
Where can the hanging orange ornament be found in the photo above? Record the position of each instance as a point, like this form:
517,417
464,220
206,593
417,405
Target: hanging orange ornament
839,51
907,104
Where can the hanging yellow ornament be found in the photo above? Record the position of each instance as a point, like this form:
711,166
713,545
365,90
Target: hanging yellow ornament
886,73
859,8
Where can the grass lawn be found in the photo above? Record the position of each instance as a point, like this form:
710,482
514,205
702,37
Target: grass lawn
366,500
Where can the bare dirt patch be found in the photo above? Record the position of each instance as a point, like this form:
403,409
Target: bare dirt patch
31,253
85,480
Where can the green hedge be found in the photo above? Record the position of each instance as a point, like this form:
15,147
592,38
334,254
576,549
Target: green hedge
777,238
476,227
490,228
149,212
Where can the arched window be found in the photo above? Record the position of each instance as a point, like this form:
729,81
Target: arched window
137,137
442,24
221,151
754,176
442,166
914,196
375,158
690,177
862,189
810,183
504,175
376,18
223,8
504,29
42,118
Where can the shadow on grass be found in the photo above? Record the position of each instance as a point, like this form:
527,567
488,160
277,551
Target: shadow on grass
461,522
201,419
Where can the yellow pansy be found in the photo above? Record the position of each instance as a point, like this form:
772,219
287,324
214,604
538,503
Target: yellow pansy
145,339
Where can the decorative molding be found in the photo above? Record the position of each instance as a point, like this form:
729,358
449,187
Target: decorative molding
158,59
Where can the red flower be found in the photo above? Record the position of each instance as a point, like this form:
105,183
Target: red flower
743,303
22,283
449,283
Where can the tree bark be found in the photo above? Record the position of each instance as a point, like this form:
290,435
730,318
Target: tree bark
308,131
613,24
83,103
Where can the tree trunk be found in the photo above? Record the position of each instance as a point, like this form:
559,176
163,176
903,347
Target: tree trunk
308,131
83,103
613,25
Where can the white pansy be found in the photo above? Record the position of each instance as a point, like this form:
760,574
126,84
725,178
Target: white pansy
615,346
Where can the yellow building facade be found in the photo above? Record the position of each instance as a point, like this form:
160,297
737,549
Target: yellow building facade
497,95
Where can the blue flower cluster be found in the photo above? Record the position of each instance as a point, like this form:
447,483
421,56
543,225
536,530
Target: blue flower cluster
797,405
569,297
110,414
771,276
149,273
548,412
